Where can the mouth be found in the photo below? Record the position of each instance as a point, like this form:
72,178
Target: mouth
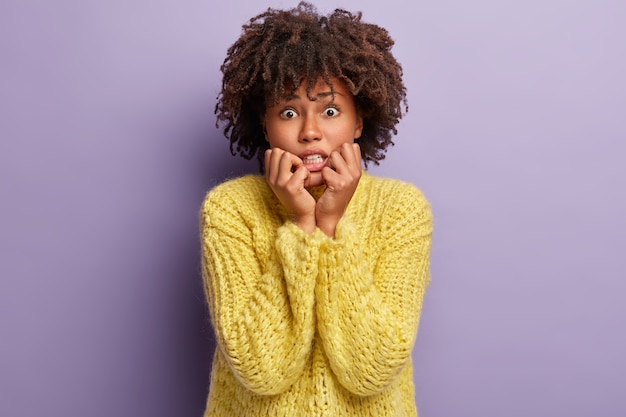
314,162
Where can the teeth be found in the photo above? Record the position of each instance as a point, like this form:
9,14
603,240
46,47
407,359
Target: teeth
313,159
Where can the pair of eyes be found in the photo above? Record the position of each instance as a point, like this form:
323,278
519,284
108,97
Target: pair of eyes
291,113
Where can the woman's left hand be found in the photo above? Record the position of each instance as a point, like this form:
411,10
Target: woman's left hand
341,179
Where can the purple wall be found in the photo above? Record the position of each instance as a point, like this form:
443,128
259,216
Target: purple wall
107,145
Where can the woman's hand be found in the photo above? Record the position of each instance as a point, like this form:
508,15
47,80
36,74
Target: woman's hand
341,179
288,178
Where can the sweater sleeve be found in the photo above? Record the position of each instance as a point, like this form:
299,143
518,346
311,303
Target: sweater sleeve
368,308
261,299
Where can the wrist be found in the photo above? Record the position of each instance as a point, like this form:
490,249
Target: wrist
306,223
328,226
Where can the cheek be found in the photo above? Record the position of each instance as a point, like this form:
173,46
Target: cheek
276,137
282,128
348,134
268,131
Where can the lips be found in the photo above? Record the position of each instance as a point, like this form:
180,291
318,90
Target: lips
314,160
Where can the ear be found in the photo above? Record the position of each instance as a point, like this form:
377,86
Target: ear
359,127
264,128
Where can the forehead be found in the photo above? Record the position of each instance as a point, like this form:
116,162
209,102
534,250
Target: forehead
319,89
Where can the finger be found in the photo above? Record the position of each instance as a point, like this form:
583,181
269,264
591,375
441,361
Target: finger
346,162
272,167
291,168
357,155
295,162
338,159
268,154
332,172
301,176
284,168
350,153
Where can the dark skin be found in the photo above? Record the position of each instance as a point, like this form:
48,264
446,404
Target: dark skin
281,49
298,127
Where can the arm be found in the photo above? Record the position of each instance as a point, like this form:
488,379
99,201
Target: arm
261,304
368,309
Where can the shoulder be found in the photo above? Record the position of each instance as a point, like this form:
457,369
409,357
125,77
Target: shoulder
397,208
245,184
393,193
237,196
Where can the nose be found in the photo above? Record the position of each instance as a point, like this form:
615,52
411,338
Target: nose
310,131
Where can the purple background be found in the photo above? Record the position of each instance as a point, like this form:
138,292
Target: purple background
515,132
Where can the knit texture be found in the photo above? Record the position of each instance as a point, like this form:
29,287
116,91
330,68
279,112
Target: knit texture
308,325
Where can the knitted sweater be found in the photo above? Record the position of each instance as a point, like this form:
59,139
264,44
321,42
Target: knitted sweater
309,325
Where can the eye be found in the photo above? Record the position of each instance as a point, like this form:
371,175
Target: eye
288,114
331,112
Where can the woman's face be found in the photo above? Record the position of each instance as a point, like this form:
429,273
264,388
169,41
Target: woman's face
312,129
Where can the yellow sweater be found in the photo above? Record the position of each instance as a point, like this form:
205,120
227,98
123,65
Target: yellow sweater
308,325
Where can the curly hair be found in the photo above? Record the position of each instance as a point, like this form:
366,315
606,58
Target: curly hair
280,49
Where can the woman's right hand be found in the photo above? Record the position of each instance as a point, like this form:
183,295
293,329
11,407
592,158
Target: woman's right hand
288,178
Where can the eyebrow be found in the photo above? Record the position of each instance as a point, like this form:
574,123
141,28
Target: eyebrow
325,94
